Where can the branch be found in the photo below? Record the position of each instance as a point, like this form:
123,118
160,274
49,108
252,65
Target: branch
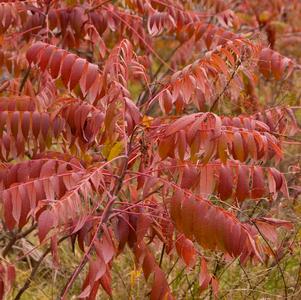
98,5
17,237
35,269
105,216
24,80
225,87
276,260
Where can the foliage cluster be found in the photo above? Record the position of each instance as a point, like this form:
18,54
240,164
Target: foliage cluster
158,133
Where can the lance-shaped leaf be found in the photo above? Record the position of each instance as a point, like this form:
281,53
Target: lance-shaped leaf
72,69
206,75
231,180
268,227
25,184
7,278
212,227
144,257
22,127
75,202
99,267
186,250
279,119
206,278
204,136
272,63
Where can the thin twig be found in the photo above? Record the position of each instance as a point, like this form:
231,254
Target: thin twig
248,279
161,256
24,80
104,218
16,237
179,274
225,87
173,266
276,260
98,5
216,269
298,277
35,269
189,287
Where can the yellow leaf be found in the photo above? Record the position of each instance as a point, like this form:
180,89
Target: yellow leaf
265,16
135,274
87,158
299,234
71,2
146,121
115,150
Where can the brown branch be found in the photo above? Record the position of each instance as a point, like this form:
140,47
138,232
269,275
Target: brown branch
248,279
143,97
298,277
98,5
24,80
16,237
105,217
276,260
162,255
35,269
225,87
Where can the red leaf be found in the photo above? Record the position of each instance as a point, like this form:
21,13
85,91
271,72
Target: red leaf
222,148
204,278
284,188
188,206
265,62
33,52
55,64
277,177
214,284
105,282
149,265
143,224
175,209
166,147
8,207
225,184
207,180
251,144
45,223
242,190
179,124
91,76
122,231
105,248
202,227
186,250
258,189
160,288
268,226
211,226
77,72
238,147
45,57
189,177
66,68
181,144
